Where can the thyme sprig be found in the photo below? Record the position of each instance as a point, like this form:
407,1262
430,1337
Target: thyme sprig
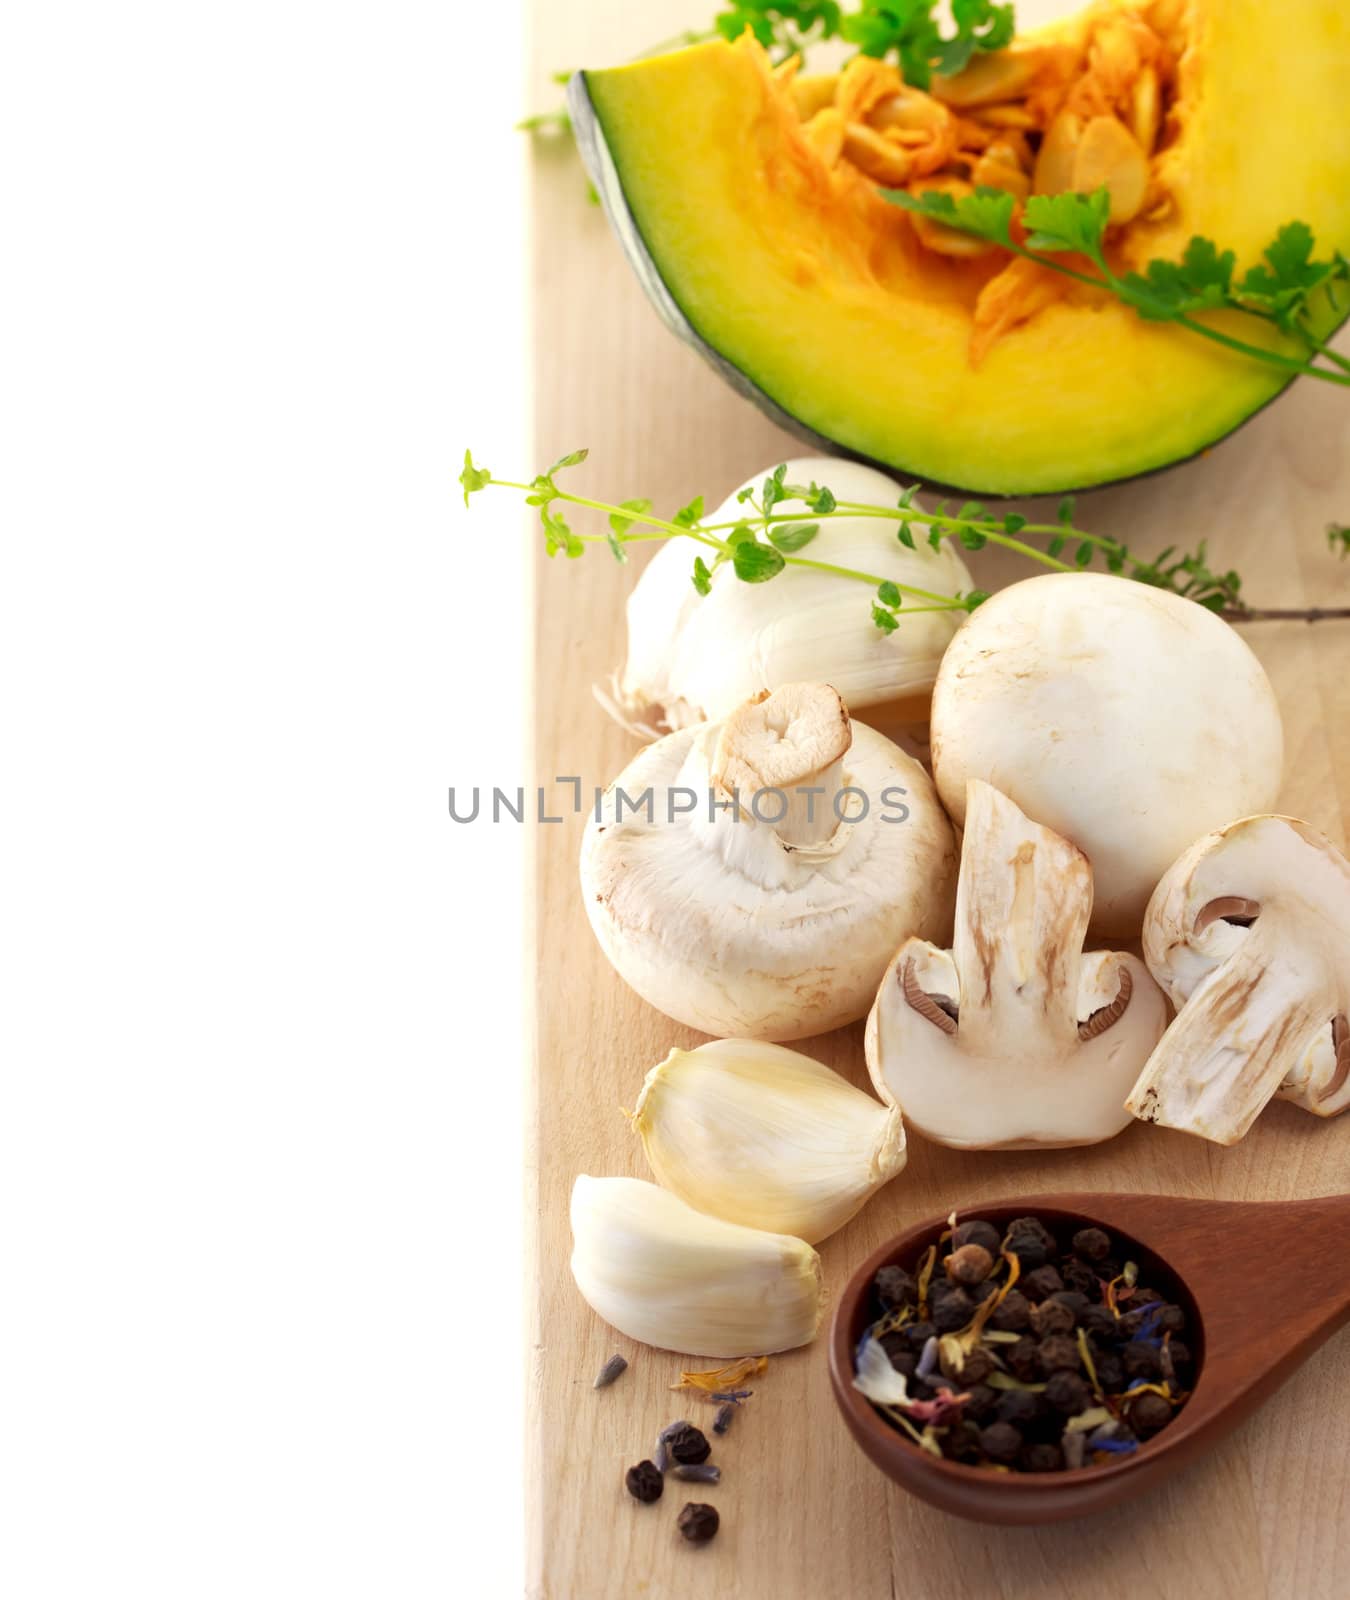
765,541
1277,292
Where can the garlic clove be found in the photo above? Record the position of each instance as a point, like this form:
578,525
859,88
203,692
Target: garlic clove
667,1275
766,1137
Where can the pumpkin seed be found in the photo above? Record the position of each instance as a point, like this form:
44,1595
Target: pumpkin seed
1145,109
1000,75
1108,153
882,159
1054,172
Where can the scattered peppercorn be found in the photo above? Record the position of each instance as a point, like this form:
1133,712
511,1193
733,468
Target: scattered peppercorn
722,1421
969,1265
644,1482
1087,1333
688,1445
698,1523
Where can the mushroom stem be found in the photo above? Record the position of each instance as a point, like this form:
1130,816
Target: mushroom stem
781,758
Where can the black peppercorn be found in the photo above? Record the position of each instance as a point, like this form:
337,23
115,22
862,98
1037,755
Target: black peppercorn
976,1231
895,1287
980,1402
698,1523
1091,1244
689,1446
976,1367
1041,1283
1051,1316
961,1442
1077,1303
1020,1360
918,1334
1029,1250
1080,1277
1044,1457
1058,1353
953,1311
1100,1322
1012,1314
1180,1356
902,1358
1066,1393
1108,1269
1141,1360
1110,1370
1171,1319
969,1265
1001,1442
1141,1317
1019,1407
644,1482
980,1292
1148,1413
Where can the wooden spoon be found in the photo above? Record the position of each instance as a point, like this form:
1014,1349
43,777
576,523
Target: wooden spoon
1263,1284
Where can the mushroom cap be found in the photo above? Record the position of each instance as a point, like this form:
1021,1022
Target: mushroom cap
740,927
1014,1038
693,657
1249,933
1127,719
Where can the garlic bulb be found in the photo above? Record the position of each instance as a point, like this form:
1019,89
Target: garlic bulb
757,1134
694,658
669,1276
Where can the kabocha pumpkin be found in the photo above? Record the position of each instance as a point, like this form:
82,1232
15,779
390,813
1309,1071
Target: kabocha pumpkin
757,205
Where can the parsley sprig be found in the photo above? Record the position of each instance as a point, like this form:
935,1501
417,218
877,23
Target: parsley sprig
906,29
1278,291
764,541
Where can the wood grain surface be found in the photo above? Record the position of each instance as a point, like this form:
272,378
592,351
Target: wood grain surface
804,1514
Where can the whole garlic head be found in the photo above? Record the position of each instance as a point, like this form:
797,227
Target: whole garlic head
693,658
767,929
767,1137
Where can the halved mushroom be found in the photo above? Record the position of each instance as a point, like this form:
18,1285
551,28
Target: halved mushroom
752,877
1014,1037
1249,934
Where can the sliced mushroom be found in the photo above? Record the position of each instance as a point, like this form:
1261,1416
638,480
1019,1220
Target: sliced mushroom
1014,1038
1249,934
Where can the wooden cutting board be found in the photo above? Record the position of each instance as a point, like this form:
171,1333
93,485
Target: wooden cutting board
803,1513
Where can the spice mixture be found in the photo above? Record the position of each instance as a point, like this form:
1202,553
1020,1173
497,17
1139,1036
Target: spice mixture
1024,1351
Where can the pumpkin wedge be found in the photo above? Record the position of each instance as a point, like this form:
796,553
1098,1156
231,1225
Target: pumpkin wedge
749,199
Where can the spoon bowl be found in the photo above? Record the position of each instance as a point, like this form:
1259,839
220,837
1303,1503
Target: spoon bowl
1263,1284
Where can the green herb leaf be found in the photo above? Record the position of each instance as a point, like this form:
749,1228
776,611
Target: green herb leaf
1065,513
1068,222
1056,545
473,478
887,621
688,515
1083,554
889,595
621,524
975,599
790,536
1281,288
1338,538
905,534
987,213
742,533
1200,281
1013,524
702,577
821,500
573,458
756,563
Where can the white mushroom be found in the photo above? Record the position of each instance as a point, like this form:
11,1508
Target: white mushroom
692,657
724,887
1125,718
1013,1037
1249,933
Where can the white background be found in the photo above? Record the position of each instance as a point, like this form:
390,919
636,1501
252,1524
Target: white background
262,1051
